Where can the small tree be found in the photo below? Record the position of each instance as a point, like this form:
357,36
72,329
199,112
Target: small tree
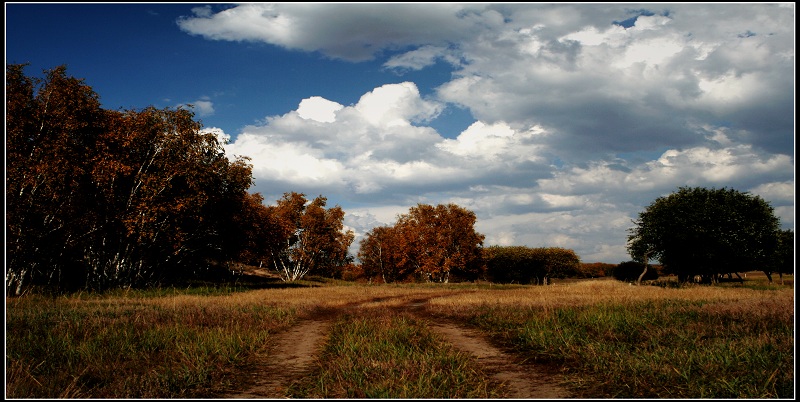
308,237
697,231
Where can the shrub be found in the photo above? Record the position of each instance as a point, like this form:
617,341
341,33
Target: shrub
630,270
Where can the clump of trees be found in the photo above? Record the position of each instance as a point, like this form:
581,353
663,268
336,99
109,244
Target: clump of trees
429,243
98,198
526,265
709,233
595,269
308,237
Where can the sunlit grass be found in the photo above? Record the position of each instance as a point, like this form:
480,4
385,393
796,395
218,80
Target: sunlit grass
619,340
380,354
166,347
612,339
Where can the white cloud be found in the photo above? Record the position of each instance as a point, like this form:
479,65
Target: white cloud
319,109
417,59
579,122
352,31
396,105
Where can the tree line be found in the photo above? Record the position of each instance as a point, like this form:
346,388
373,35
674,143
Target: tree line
97,199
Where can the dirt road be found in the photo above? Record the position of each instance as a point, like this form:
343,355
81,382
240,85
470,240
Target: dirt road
293,353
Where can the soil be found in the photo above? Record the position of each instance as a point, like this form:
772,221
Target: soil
293,353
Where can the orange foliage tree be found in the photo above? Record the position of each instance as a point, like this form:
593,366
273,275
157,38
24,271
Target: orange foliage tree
380,256
432,243
98,198
309,237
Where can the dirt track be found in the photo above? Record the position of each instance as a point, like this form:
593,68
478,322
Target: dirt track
294,352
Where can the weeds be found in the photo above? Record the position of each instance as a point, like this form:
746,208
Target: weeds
610,338
385,355
660,348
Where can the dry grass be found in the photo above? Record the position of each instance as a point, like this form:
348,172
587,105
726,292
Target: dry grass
174,344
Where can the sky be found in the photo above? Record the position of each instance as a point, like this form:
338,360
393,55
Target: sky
556,124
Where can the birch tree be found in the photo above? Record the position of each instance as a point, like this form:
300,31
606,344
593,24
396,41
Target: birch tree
309,238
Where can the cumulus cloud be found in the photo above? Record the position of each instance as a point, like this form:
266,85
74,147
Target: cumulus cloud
318,109
584,113
354,32
361,153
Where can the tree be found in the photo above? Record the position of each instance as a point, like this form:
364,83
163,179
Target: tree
99,198
784,262
630,271
436,242
309,237
432,243
380,256
707,232
52,125
521,264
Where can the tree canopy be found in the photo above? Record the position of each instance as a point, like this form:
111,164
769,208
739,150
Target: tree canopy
522,264
431,243
309,237
101,198
707,232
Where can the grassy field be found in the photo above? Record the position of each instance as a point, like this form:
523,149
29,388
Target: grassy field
608,339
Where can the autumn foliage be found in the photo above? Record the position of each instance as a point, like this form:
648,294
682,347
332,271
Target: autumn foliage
429,243
308,237
99,198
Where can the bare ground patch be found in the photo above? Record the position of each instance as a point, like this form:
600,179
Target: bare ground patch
287,360
518,380
294,352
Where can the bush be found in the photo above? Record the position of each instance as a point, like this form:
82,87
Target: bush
520,264
630,270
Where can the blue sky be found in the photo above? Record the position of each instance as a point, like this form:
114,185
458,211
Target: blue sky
555,123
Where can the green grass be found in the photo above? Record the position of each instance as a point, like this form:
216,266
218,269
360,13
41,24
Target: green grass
387,355
66,348
664,349
611,339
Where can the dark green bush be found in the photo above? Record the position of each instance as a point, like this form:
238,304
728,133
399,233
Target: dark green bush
630,270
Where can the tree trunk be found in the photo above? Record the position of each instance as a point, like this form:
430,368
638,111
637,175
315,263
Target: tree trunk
646,263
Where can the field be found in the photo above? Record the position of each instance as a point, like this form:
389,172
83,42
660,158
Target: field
260,338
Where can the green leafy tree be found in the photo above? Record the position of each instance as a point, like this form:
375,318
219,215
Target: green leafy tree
706,232
629,271
784,262
521,264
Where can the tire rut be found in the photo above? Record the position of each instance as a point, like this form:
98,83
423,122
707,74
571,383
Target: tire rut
286,361
518,380
294,351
